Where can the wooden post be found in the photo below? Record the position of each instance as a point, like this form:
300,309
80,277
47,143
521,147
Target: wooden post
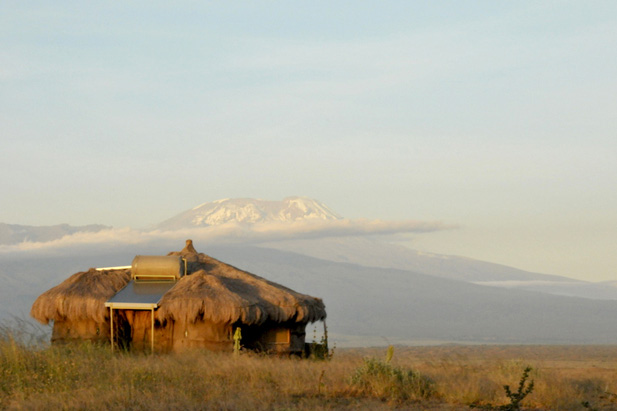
152,334
111,325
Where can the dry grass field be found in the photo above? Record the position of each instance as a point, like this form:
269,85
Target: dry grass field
35,376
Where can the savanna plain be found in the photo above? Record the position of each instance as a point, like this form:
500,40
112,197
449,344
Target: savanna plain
35,375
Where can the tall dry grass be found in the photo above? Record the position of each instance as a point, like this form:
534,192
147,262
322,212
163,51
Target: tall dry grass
35,376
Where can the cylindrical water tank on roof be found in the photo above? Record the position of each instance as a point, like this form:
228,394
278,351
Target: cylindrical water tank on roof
156,267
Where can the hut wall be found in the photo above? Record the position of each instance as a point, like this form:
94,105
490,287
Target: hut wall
201,334
79,330
133,329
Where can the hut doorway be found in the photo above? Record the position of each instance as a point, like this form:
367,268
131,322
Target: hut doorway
132,329
139,330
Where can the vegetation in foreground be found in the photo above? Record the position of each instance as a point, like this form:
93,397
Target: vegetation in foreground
36,376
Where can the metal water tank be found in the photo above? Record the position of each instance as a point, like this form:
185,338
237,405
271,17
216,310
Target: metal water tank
157,268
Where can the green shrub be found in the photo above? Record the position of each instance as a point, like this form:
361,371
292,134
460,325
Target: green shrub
382,380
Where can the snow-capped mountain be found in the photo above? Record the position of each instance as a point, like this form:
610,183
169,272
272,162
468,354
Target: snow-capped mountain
248,210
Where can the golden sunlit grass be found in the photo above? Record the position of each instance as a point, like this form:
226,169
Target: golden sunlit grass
439,378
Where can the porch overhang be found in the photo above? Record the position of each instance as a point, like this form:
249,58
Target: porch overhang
138,295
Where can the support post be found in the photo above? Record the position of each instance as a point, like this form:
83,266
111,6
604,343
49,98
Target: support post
325,336
152,333
111,326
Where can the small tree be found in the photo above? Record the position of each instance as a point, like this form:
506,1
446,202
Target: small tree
524,389
517,397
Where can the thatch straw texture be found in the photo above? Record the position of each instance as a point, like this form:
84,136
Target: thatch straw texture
221,293
212,291
82,296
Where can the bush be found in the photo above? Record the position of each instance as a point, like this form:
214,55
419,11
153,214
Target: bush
380,379
524,389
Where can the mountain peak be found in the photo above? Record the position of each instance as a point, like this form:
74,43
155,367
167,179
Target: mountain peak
250,210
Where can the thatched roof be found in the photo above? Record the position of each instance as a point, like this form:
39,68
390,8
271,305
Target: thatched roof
221,293
81,296
212,291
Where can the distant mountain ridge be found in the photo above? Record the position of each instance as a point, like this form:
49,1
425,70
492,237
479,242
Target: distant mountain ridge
248,210
15,233
376,253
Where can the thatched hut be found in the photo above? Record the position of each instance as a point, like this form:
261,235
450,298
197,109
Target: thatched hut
201,309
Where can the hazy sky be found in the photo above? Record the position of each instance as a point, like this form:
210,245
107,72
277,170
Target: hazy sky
499,117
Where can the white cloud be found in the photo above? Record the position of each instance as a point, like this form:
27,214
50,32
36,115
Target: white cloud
230,233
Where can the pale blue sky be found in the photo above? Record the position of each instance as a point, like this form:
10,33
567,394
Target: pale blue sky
499,117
